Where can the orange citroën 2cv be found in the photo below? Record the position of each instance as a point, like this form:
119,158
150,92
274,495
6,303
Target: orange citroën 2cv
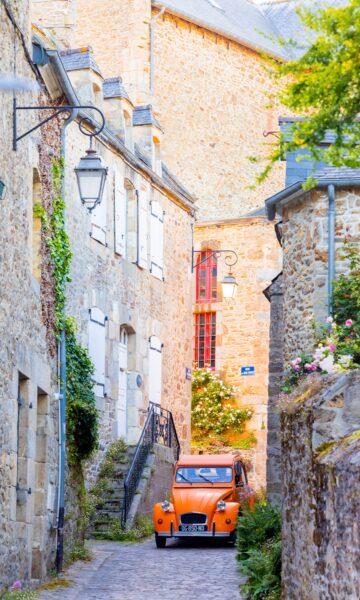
205,499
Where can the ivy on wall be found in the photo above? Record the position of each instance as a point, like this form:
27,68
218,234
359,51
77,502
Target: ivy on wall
81,413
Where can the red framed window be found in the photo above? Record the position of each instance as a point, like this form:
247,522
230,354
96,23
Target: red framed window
205,339
206,277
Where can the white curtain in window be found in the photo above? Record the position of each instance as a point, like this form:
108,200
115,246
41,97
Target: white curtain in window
120,214
157,240
143,229
155,370
97,348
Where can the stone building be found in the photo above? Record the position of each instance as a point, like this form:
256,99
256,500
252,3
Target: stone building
28,363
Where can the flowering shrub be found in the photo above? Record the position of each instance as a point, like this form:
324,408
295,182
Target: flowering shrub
212,409
338,341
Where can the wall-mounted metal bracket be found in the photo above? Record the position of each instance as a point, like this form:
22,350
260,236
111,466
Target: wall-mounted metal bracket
65,108
231,257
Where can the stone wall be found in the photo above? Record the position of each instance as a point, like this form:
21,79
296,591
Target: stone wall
305,245
156,481
28,408
242,324
321,485
276,368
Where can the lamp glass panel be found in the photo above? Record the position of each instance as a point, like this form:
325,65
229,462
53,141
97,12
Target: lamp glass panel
90,184
229,289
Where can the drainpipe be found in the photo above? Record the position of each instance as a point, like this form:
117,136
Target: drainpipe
62,398
331,247
152,41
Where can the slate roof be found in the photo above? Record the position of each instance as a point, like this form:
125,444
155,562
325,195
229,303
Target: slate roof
337,174
143,115
113,87
257,26
79,58
168,177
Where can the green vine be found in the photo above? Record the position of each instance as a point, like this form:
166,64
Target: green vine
57,241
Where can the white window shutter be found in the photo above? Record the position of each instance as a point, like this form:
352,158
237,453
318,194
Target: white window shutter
155,370
143,230
157,240
97,348
120,212
98,217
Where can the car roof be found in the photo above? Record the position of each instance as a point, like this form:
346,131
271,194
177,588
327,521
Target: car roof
208,460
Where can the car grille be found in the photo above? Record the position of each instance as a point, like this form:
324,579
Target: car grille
193,518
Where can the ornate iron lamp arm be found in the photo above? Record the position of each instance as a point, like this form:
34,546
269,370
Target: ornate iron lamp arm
59,109
231,257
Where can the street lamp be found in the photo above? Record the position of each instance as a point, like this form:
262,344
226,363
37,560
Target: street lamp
91,172
229,284
91,176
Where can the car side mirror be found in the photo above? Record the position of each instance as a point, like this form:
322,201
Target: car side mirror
240,484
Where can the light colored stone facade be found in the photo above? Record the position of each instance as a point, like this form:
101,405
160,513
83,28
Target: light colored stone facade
28,371
242,324
305,246
321,468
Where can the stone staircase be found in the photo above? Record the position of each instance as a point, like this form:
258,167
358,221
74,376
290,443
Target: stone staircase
109,492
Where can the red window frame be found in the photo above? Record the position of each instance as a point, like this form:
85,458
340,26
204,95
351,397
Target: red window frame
206,277
205,340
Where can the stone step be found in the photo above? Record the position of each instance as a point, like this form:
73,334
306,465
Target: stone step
105,514
111,505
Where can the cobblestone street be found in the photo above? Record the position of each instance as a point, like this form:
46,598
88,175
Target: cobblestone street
141,572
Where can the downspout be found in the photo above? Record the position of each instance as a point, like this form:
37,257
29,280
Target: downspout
152,53
62,395
331,247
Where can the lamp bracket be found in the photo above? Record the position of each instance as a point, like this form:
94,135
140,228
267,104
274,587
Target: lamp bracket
65,108
231,257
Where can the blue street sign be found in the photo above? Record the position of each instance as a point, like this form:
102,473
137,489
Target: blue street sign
188,374
247,371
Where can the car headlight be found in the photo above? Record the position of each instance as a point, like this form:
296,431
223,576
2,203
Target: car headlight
165,505
221,505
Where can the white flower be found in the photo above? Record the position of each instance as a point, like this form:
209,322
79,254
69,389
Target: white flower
320,353
327,364
345,361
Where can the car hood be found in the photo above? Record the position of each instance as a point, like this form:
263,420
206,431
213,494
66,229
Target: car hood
198,499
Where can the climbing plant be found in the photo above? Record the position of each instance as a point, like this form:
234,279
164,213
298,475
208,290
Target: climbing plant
81,413
212,404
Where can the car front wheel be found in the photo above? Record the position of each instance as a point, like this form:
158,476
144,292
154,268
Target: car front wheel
160,541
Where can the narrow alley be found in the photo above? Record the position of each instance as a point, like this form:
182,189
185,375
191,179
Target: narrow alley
140,572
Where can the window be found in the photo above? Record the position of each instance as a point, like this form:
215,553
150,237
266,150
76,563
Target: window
205,339
120,214
155,370
143,229
132,218
206,277
97,348
98,217
157,240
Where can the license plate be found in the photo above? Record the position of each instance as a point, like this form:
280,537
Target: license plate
193,528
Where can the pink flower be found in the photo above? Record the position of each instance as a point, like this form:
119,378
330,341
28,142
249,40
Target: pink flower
298,360
314,366
329,320
297,368
348,323
307,367
16,585
332,347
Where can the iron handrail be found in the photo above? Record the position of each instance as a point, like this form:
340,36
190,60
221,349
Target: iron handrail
159,428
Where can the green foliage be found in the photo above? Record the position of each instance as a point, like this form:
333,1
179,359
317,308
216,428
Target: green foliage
115,454
212,409
19,595
81,416
58,243
79,552
324,84
142,529
259,551
347,299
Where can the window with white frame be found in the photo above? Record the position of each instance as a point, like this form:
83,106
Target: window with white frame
155,369
98,216
97,330
120,214
157,240
143,204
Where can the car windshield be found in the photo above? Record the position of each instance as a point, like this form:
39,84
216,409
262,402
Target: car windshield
203,475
